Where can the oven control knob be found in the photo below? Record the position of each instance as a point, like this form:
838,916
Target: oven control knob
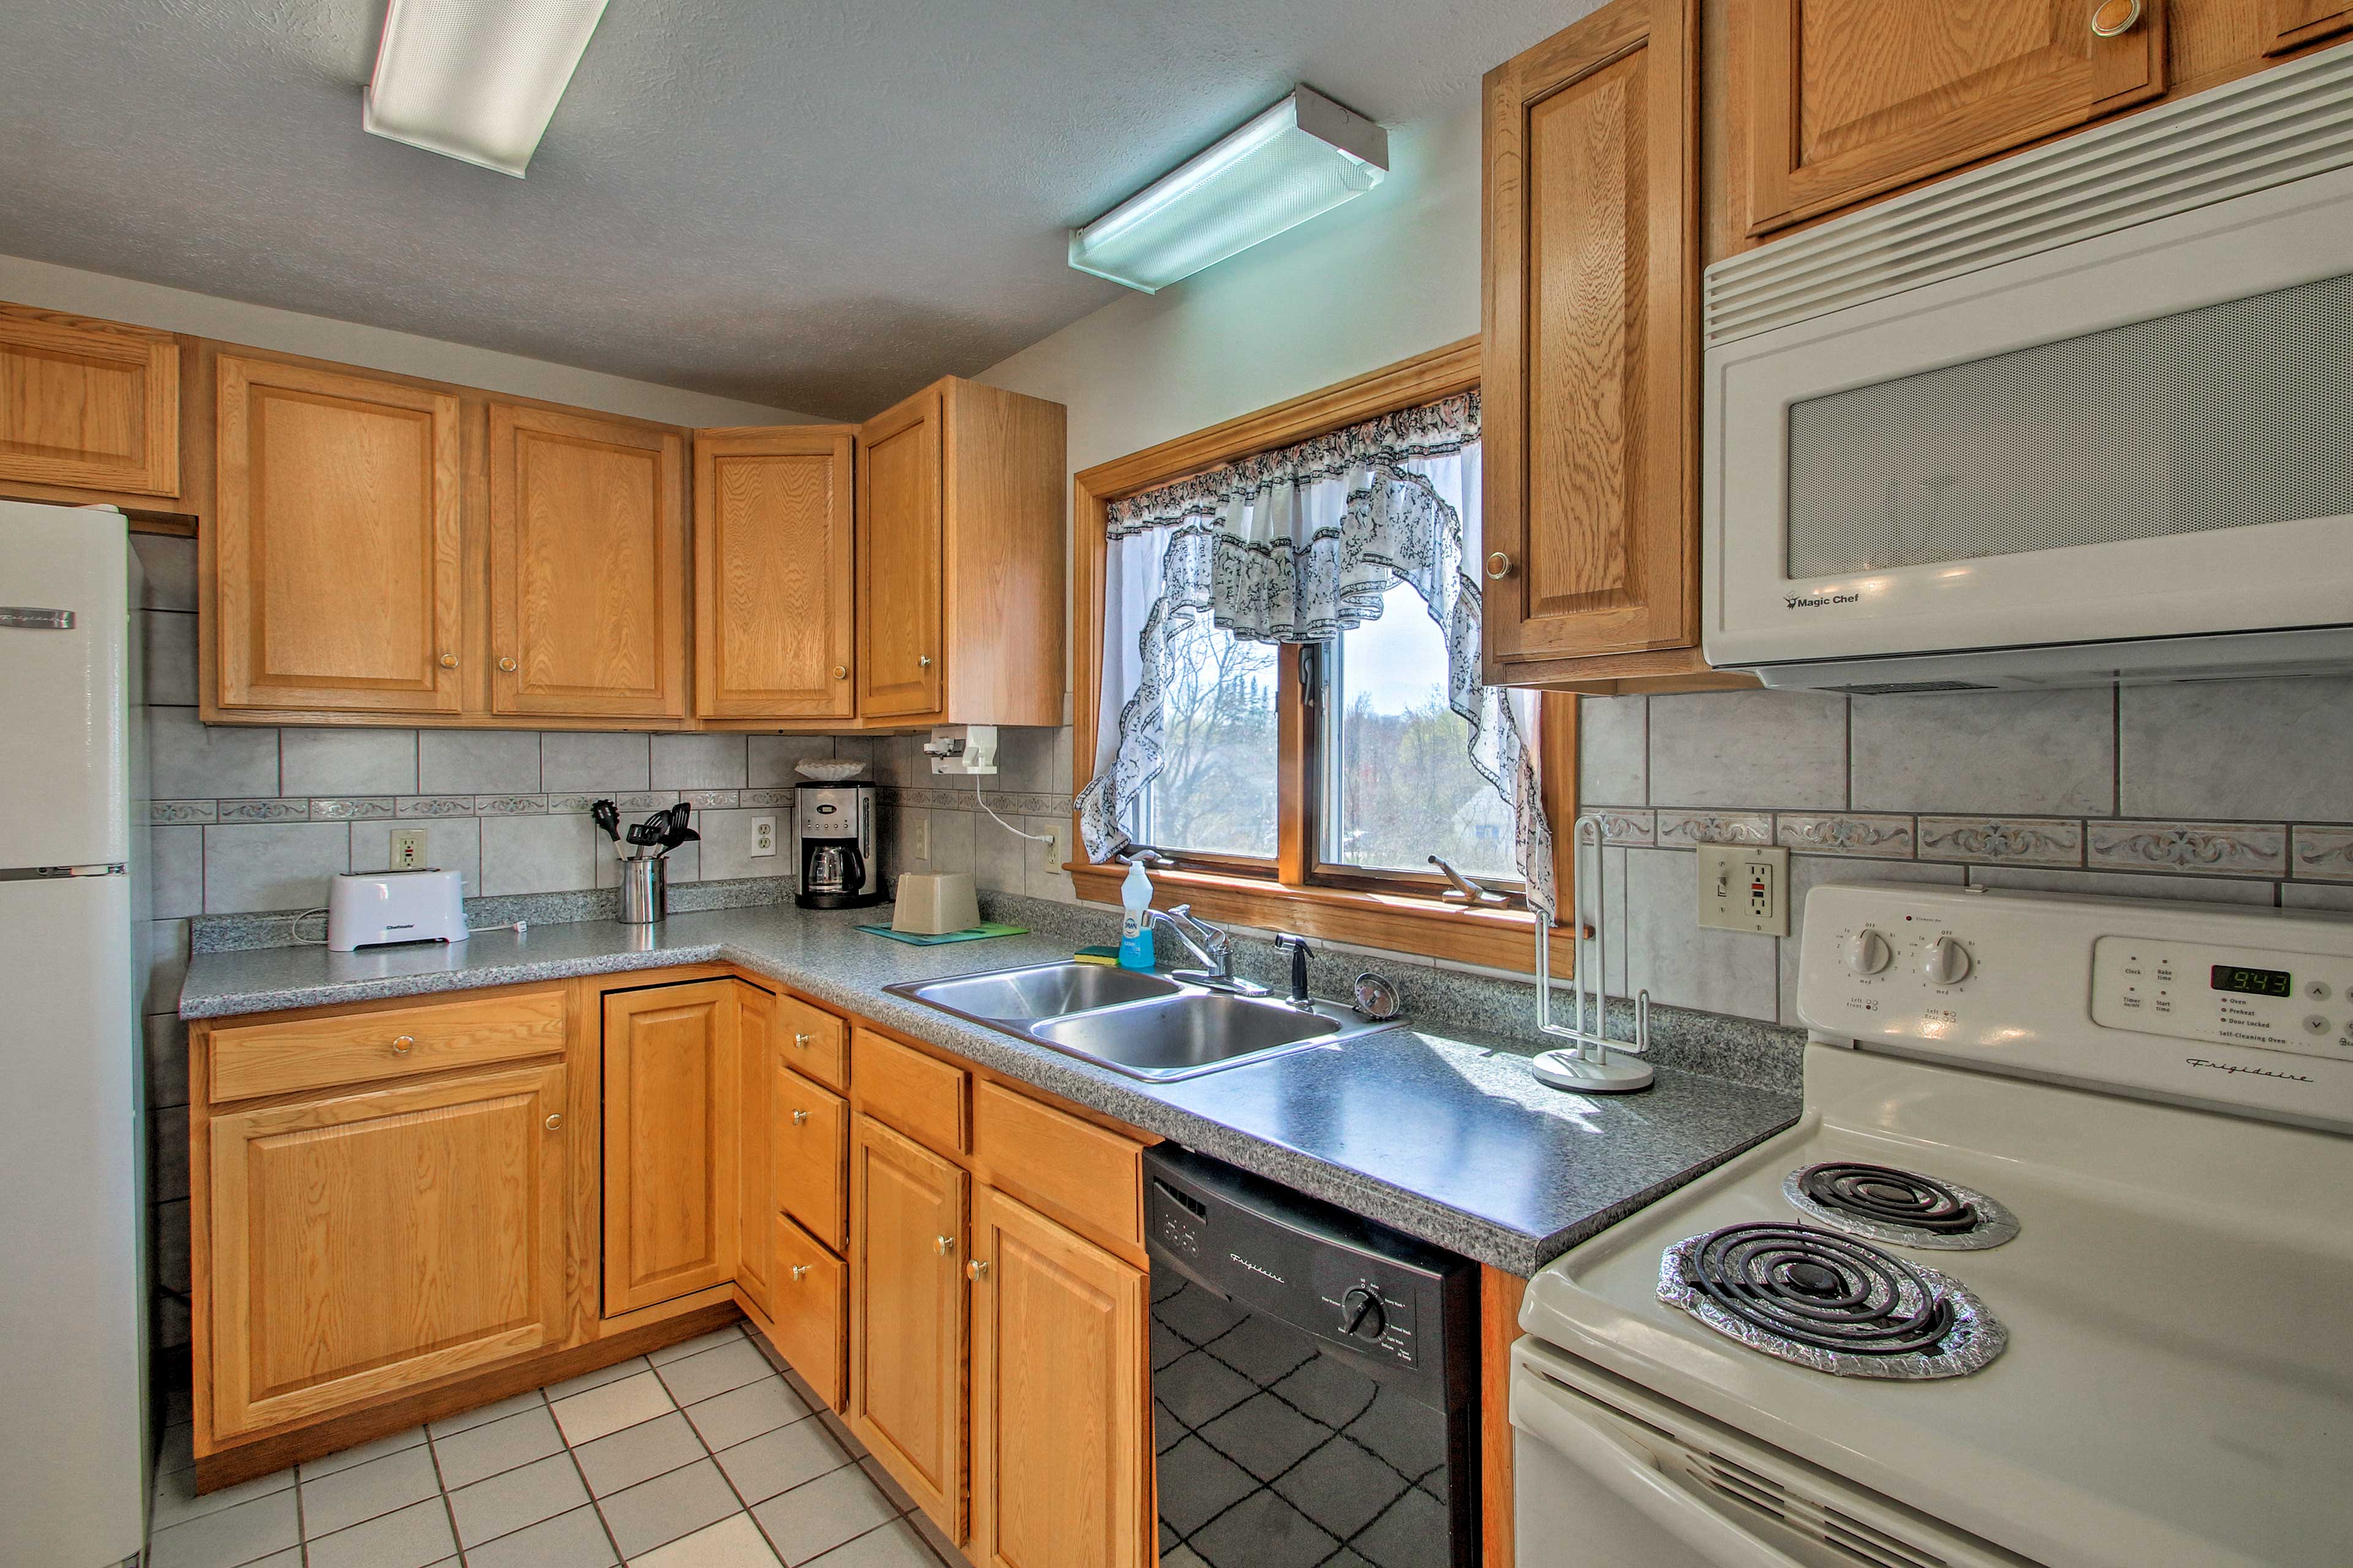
1946,962
1867,952
1361,1314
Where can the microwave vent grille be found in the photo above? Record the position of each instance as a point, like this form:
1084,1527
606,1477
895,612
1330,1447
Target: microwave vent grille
2266,130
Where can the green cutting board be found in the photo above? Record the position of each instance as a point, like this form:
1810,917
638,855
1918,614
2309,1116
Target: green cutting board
975,934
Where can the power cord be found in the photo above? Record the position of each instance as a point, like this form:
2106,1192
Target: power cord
1017,833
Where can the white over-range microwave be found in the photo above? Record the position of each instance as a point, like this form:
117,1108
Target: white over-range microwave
2081,416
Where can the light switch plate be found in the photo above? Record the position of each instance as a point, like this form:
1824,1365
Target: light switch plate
1743,887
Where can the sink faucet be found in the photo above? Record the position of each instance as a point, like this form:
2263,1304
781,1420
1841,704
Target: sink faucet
1212,947
1284,942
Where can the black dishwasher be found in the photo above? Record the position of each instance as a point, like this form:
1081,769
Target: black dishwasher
1314,1380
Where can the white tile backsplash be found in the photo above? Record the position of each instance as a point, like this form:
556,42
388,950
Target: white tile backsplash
1613,746
192,761
594,761
2240,750
2036,753
354,762
540,854
254,865
1754,749
699,761
452,844
477,762
168,652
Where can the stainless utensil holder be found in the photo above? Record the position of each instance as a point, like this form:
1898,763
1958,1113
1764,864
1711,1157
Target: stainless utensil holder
645,890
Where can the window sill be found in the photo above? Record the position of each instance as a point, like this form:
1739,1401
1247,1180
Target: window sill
1491,938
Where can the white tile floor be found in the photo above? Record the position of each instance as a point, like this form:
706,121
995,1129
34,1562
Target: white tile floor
700,1455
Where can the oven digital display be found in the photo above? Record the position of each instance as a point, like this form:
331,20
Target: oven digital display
2251,982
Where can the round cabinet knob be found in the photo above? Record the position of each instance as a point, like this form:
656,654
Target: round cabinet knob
402,1044
947,1244
1362,1314
804,1041
555,1121
449,661
507,665
841,672
1499,566
800,1272
924,660
800,1119
1867,952
2115,19
1946,961
978,1269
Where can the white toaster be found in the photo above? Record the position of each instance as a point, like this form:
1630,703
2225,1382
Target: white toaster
366,908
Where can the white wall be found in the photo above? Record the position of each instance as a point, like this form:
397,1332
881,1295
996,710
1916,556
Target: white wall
1389,276
37,283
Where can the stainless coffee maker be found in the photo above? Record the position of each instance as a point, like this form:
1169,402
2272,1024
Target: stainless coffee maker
840,867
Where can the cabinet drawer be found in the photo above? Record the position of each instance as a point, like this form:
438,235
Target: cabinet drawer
1070,1169
812,1314
316,1053
811,1140
815,1041
919,1095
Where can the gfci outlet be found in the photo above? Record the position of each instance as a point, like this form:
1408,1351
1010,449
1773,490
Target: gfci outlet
407,848
1743,887
764,837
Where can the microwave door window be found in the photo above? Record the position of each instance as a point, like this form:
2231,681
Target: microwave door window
2224,417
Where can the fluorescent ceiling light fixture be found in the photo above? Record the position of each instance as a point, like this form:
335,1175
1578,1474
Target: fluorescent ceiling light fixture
1304,156
476,79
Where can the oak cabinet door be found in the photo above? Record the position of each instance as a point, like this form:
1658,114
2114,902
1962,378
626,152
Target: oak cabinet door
337,548
672,1084
1062,1456
2292,23
1851,97
91,405
812,1157
1588,416
812,1315
900,538
755,1131
366,1244
907,1316
587,566
774,590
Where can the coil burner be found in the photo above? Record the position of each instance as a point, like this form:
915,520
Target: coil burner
1902,1208
1829,1302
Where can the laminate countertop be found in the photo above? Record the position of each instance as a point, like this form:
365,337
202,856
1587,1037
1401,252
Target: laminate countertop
1442,1133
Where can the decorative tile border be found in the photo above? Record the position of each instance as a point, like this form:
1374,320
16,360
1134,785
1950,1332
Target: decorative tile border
430,805
1618,827
1685,829
350,808
2213,848
264,811
2002,841
1880,837
763,796
512,805
2322,852
164,812
709,799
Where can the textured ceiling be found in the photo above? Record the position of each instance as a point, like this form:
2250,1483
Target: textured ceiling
815,207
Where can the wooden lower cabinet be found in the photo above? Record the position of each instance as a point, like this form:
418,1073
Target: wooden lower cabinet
811,1135
907,1316
1061,1452
812,1312
366,1243
672,1086
755,1050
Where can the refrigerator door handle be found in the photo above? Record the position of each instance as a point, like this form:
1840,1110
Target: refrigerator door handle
55,873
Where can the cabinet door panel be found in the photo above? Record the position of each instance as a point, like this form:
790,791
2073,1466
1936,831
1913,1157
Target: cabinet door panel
1060,1455
2292,23
899,541
774,590
671,1090
1849,97
812,1157
366,1244
812,1315
587,566
94,405
755,1131
1587,408
337,552
907,1322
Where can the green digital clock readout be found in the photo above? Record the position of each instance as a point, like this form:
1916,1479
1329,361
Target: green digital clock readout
2251,982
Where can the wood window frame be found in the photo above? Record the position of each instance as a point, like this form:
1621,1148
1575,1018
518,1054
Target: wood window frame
1405,919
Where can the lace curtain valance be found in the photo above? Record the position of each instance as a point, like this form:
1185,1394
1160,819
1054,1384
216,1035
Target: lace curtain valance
1297,547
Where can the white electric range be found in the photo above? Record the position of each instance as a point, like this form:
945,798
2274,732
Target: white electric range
2056,1268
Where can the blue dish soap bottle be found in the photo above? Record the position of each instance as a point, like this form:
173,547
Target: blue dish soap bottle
1135,925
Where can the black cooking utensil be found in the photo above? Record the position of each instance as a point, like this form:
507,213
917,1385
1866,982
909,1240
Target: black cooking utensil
607,816
676,831
646,833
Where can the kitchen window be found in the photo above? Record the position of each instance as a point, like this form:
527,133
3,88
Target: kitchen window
1281,620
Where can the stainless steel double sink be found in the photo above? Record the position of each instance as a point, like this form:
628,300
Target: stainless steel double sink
1146,1026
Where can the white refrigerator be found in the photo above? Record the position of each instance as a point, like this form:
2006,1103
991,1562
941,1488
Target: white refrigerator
73,1264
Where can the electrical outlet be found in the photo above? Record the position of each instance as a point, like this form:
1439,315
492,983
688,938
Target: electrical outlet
764,837
1743,887
919,842
407,848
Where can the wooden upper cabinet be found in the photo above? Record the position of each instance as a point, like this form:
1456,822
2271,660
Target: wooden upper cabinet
588,589
335,543
901,556
673,1091
1851,97
1590,419
961,549
2292,23
1061,1441
773,594
88,404
907,1316
364,1245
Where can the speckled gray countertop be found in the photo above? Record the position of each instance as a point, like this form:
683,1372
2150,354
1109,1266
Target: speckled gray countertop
1439,1131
